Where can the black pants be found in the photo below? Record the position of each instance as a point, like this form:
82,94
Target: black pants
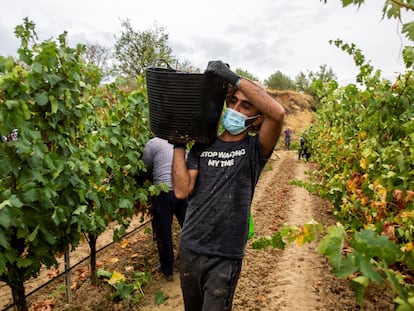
208,283
165,206
303,152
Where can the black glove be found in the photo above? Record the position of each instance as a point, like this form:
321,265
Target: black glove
222,70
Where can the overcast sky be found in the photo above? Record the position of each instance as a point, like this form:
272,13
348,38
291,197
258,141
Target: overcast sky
260,36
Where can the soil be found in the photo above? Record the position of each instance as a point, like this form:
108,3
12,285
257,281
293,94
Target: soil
297,278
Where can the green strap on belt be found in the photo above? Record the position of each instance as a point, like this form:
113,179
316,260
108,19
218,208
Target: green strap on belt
251,227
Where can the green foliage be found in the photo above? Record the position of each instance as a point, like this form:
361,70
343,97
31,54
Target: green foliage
136,50
73,165
362,256
160,297
370,133
363,248
274,241
324,74
58,291
407,305
98,56
43,96
117,139
310,83
332,244
363,144
187,66
304,81
279,81
367,257
125,289
288,234
246,74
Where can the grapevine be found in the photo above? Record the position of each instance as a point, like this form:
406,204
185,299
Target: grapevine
363,143
72,167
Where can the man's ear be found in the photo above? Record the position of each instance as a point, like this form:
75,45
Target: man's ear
258,120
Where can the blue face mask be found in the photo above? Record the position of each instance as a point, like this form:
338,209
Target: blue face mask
235,122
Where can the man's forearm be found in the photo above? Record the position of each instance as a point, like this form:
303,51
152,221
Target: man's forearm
268,105
180,174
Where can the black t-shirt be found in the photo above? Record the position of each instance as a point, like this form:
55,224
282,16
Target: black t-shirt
217,218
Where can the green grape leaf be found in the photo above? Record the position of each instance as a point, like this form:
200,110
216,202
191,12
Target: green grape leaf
41,98
358,285
371,245
408,56
331,245
275,241
408,29
160,297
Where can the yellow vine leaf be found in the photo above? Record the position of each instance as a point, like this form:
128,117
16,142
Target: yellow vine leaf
116,278
363,163
300,240
408,247
113,260
364,200
381,191
123,243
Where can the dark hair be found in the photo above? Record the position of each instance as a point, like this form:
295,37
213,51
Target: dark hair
230,92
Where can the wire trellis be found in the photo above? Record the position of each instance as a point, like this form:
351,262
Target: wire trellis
69,268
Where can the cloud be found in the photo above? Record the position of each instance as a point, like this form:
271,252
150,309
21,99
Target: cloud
9,42
261,37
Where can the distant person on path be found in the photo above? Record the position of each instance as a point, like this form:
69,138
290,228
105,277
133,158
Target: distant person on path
304,150
157,156
288,136
219,179
301,148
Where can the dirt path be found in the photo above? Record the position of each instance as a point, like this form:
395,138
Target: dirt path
294,275
296,278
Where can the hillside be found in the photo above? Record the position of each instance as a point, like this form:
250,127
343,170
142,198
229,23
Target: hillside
299,114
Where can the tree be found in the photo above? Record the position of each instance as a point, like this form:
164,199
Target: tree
186,66
324,74
279,81
99,56
136,50
246,74
302,82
